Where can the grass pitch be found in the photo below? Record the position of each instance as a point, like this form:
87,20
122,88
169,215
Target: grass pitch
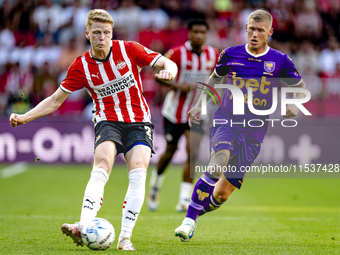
267,216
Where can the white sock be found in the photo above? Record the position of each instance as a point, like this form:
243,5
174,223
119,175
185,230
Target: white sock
185,192
156,181
133,200
94,192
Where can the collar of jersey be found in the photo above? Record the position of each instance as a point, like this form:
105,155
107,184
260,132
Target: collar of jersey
258,55
187,45
101,60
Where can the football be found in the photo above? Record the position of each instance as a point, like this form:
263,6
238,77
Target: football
98,234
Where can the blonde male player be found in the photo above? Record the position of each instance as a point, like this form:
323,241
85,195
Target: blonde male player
110,73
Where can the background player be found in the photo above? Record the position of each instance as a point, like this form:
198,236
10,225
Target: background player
260,67
195,61
110,73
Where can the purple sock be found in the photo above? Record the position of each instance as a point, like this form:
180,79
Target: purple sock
200,196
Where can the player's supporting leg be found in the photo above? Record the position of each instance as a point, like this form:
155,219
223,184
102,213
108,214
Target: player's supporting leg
137,159
200,198
158,175
205,186
223,190
94,192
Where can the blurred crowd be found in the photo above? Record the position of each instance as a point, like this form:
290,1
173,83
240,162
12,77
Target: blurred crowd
40,38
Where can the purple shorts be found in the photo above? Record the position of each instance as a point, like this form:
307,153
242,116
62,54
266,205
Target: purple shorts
243,151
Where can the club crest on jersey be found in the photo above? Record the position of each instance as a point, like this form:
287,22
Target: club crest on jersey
121,65
269,66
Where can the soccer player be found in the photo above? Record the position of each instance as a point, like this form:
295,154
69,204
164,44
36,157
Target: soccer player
110,73
254,65
194,60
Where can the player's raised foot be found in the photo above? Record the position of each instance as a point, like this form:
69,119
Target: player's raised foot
73,231
182,206
153,199
186,230
124,243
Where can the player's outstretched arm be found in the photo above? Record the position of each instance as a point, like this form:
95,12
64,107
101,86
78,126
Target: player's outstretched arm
291,109
45,107
194,113
169,69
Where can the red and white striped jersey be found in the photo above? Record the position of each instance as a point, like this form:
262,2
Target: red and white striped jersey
114,83
191,68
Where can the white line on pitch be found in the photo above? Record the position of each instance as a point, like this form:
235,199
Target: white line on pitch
12,170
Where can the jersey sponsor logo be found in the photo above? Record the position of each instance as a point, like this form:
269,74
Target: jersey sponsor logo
253,83
117,86
254,59
97,76
202,195
239,99
269,66
121,65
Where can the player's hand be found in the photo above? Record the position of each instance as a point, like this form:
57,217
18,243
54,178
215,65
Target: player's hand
194,114
16,119
291,111
165,75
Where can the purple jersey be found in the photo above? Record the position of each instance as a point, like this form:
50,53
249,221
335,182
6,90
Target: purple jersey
262,72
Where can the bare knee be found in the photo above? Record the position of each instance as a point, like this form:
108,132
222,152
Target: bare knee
223,190
104,156
221,197
103,163
138,157
139,163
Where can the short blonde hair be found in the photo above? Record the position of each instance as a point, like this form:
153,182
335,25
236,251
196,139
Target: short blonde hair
98,15
261,16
